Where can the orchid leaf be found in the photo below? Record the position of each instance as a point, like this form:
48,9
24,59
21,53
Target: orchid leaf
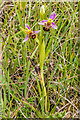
42,54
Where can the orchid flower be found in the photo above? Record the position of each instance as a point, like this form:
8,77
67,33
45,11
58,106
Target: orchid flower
48,23
30,34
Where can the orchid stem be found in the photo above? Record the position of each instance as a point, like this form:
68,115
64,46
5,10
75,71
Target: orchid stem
44,88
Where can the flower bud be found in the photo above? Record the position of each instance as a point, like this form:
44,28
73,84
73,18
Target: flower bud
42,10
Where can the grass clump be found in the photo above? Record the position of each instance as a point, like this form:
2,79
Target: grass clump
40,76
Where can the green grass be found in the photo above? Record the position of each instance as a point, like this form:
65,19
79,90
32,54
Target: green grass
40,76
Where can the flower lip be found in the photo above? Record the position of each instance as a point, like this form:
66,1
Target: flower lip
33,36
46,28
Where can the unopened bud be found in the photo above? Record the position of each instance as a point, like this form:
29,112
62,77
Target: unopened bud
42,10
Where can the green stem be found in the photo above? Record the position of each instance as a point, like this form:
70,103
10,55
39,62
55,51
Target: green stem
44,89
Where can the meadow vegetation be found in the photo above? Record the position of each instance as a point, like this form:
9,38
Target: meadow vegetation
40,76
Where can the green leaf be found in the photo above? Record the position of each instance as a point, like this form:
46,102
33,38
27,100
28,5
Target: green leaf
42,54
53,110
34,52
47,53
15,64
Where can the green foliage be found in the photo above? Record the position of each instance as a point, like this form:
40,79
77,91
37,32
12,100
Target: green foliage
42,54
39,77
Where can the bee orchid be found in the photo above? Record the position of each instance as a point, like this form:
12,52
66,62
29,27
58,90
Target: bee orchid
48,23
30,33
